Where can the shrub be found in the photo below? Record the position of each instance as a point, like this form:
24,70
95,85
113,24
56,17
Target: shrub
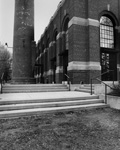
116,90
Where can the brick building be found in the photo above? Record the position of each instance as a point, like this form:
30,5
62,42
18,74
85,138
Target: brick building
82,40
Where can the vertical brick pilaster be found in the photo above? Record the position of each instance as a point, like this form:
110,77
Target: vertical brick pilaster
59,59
94,47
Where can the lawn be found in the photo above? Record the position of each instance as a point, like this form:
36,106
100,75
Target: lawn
97,129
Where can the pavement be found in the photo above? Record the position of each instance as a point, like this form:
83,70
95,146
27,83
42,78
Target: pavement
42,95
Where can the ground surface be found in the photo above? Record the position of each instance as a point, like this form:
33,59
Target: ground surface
84,130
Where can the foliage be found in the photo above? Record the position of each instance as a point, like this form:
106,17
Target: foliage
5,63
116,90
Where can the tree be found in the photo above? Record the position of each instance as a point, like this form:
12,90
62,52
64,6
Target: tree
5,63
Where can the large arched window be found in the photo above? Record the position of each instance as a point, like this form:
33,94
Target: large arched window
106,33
107,47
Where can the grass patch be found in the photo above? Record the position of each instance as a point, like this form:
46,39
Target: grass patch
97,129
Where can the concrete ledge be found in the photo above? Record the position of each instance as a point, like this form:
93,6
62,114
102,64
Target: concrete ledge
80,65
112,101
73,87
83,22
100,88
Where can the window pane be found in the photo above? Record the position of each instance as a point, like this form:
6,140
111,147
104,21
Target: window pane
106,32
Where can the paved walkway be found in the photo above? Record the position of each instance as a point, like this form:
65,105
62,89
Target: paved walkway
42,95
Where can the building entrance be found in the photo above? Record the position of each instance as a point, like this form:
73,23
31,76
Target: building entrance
54,70
109,62
65,65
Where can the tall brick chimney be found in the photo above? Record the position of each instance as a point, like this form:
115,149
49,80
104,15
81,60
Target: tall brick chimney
22,42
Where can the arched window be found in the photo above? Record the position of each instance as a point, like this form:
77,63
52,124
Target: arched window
106,33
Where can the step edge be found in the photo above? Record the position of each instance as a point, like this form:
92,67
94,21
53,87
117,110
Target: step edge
48,109
48,103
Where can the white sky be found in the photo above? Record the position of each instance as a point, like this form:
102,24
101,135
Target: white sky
44,10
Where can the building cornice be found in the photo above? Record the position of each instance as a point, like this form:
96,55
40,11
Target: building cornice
77,65
83,22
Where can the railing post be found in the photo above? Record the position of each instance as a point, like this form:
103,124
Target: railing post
69,85
1,86
68,79
2,82
91,86
113,77
105,94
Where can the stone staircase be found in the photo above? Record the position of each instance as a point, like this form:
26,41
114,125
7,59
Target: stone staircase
28,88
85,88
48,102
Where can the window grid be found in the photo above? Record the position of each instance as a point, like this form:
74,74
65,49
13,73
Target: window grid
106,33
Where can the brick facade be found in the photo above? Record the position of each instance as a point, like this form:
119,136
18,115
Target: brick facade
71,42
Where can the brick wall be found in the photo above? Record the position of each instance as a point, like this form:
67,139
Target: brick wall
84,37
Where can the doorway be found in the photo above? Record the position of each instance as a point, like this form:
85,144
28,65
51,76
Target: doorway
109,62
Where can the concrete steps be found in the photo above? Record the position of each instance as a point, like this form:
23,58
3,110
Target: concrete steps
48,104
25,107
38,111
42,100
28,88
85,88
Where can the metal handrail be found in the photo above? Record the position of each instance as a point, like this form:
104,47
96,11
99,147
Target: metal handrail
68,80
105,73
106,85
2,82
